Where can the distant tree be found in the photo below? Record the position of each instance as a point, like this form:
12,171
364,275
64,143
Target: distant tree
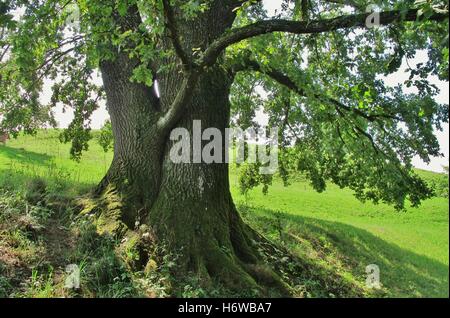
321,63
441,184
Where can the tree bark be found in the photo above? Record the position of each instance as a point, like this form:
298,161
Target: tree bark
136,167
188,205
194,210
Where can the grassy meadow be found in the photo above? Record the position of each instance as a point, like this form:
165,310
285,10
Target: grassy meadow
335,235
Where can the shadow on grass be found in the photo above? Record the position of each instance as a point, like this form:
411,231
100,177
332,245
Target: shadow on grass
21,166
345,249
24,157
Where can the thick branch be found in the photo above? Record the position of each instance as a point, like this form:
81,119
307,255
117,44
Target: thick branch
305,27
171,25
177,107
278,76
285,80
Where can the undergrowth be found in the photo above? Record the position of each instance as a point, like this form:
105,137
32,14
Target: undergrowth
43,235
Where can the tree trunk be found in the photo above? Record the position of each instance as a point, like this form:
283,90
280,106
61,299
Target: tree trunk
136,168
194,210
188,205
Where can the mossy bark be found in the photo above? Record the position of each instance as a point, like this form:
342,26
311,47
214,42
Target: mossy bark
188,206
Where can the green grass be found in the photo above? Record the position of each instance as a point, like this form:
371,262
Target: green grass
332,231
43,155
411,248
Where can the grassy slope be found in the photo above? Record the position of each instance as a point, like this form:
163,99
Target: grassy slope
44,155
332,230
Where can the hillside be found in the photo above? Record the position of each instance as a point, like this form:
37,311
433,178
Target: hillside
334,235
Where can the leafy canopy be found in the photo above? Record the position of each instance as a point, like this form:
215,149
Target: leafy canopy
321,67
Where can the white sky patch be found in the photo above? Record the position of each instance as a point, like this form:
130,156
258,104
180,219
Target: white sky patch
400,77
273,7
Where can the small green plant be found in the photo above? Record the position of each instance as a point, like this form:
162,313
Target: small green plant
5,286
40,213
190,291
41,285
103,274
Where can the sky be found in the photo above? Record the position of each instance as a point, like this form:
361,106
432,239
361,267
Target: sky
101,115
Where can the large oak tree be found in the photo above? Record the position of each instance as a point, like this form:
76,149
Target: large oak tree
166,63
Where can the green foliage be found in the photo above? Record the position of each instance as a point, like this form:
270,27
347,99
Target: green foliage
250,177
105,138
347,126
341,119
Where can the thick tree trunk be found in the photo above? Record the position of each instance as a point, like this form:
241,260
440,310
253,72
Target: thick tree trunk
136,168
194,210
188,205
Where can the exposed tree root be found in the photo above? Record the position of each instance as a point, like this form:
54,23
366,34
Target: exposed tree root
106,210
229,257
223,253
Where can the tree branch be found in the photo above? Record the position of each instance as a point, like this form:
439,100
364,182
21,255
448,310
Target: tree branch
171,25
285,80
358,131
184,95
290,84
5,50
263,27
305,27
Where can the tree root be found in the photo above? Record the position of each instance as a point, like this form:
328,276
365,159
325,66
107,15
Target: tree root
231,255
